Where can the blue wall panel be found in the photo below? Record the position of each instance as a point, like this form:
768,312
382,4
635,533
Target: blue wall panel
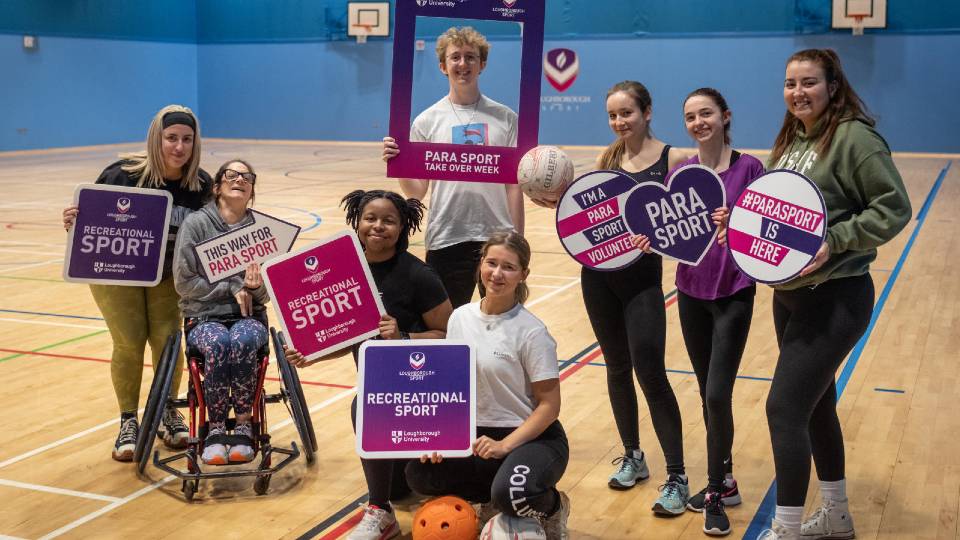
75,92
146,20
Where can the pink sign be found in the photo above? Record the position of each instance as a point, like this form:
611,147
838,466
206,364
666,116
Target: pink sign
324,295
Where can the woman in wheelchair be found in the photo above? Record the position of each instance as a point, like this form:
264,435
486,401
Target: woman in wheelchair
224,321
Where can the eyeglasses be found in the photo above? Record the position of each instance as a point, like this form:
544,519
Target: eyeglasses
232,175
468,58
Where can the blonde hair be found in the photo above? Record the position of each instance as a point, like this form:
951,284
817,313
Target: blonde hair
148,164
465,35
516,243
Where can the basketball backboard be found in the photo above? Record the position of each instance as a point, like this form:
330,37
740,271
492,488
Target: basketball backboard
368,19
859,14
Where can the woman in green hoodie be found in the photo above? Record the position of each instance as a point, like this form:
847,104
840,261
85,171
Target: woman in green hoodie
819,316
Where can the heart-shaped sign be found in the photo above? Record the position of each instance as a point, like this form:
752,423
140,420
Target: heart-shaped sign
676,217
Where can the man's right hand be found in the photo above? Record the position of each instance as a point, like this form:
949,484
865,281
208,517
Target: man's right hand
390,149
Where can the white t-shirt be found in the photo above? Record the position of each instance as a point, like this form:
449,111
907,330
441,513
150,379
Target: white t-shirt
466,211
514,349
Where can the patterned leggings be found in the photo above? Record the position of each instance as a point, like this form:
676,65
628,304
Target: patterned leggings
230,364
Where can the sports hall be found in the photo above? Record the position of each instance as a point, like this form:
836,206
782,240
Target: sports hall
285,86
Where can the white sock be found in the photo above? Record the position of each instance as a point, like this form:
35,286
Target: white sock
636,454
729,481
834,491
789,517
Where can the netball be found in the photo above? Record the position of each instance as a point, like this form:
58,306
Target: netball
544,173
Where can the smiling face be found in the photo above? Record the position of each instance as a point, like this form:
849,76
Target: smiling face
379,226
236,190
501,271
806,91
177,148
462,64
625,117
703,119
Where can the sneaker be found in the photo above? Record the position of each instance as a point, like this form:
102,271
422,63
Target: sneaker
173,430
831,521
485,512
777,532
673,497
126,440
631,470
214,453
730,496
242,453
715,522
555,525
377,524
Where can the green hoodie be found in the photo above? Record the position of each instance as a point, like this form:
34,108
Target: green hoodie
867,204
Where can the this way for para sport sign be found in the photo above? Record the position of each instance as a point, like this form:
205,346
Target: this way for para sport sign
776,226
415,398
229,254
324,295
120,236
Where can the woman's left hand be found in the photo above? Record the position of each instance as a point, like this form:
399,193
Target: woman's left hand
252,279
488,448
245,299
641,242
821,257
388,327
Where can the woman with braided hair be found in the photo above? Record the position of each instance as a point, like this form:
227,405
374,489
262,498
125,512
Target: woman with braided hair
417,308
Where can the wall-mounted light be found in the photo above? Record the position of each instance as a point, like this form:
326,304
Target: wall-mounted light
29,42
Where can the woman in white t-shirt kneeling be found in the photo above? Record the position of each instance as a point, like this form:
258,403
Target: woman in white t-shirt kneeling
521,450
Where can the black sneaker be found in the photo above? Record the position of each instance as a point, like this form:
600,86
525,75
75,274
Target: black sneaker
730,497
715,522
126,440
172,430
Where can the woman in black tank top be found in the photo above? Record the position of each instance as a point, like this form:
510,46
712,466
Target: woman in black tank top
627,312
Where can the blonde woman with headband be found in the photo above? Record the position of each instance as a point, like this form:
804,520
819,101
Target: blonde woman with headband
137,315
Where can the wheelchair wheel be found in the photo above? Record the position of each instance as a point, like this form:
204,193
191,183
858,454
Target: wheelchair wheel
152,398
261,484
294,397
305,409
189,489
157,402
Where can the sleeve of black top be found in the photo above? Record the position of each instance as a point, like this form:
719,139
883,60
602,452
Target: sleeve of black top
429,289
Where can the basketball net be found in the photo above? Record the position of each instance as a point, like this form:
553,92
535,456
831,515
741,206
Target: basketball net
858,25
362,36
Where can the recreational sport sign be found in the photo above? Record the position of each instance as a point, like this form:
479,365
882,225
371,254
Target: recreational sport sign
776,226
230,253
119,237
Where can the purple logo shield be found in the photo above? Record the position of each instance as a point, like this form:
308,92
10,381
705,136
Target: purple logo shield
311,263
561,67
123,204
418,360
509,3
676,217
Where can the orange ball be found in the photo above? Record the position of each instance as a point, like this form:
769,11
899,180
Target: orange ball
445,518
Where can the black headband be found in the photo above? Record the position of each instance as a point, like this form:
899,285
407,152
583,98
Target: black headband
179,117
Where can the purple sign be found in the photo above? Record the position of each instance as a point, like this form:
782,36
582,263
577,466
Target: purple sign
324,295
676,217
416,398
120,236
441,161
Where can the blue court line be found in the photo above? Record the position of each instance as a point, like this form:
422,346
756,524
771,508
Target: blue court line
768,506
891,390
316,217
17,311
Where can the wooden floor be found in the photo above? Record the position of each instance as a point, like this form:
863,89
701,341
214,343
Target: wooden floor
899,405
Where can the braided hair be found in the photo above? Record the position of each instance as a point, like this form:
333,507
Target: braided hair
410,210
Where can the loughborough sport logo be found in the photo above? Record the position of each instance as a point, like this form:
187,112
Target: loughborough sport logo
418,360
123,205
509,3
311,263
561,67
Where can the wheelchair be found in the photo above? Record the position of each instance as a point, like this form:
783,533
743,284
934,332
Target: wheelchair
291,395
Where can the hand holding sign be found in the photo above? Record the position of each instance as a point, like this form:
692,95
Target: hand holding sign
230,253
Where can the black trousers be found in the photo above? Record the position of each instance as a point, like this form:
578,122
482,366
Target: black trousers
457,267
816,329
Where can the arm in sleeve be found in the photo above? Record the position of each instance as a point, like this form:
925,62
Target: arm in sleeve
540,356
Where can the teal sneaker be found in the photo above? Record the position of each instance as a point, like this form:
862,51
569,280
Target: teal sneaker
673,497
632,468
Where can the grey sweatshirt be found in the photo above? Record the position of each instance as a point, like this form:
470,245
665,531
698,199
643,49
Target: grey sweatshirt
198,297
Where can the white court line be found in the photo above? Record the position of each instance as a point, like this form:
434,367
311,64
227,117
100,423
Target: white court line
34,265
58,491
49,323
8,537
35,451
21,243
543,286
551,294
554,277
29,252
94,515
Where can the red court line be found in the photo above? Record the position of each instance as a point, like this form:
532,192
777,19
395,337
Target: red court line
344,527
105,361
580,363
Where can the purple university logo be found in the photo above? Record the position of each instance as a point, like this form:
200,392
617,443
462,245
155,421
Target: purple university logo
421,3
123,204
311,263
561,67
418,360
509,3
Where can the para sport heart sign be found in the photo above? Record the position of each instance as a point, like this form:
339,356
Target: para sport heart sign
676,217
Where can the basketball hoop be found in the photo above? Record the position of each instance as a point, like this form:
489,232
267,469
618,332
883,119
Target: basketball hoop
362,36
858,25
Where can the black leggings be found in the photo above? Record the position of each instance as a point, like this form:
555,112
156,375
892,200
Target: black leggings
457,267
630,322
816,328
523,484
385,477
715,333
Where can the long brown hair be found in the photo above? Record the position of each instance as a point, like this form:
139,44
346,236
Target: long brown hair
714,95
516,243
844,103
613,155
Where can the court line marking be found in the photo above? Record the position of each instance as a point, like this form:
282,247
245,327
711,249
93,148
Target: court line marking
29,252
75,436
52,345
551,294
891,390
766,509
47,314
49,323
34,265
58,491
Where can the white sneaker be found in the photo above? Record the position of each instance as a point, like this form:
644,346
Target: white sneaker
832,521
556,525
485,512
377,524
778,532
